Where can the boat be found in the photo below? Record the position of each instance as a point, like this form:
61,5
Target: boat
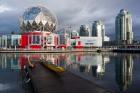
53,67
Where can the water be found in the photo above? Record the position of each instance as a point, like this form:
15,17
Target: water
10,74
117,72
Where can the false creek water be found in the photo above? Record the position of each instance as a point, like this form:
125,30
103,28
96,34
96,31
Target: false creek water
116,72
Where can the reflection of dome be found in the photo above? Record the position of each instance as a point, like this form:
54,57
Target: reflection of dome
38,19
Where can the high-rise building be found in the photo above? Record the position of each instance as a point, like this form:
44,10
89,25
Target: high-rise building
98,29
123,27
84,30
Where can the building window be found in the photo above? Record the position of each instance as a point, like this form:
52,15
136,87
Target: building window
36,39
49,39
15,42
62,39
89,43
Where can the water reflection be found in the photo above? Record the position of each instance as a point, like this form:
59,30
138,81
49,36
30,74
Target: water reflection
4,87
9,62
124,69
93,64
99,67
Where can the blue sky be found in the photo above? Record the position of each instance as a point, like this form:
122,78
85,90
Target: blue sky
71,12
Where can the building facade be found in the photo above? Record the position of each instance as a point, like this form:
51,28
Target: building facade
37,39
38,31
98,30
84,30
88,42
64,40
123,28
37,26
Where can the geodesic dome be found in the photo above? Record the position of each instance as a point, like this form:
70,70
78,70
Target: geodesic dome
38,19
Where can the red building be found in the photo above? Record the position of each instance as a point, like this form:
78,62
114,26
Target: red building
38,25
38,40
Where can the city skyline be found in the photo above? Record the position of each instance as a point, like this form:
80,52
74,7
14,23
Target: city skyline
81,12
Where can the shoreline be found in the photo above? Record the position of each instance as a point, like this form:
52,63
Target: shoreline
98,50
54,51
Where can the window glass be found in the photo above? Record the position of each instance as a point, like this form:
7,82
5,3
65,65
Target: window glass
49,39
36,39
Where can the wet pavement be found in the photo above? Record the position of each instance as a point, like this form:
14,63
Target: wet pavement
46,81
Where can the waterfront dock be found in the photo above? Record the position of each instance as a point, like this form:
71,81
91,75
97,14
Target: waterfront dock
117,50
45,81
56,50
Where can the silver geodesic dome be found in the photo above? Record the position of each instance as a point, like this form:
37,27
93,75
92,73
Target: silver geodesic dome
38,19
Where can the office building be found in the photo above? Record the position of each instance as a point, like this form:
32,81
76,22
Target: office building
123,28
84,30
98,30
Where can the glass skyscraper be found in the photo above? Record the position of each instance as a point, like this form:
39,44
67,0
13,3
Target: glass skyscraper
123,28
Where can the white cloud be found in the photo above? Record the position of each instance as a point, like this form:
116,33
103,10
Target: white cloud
4,8
74,12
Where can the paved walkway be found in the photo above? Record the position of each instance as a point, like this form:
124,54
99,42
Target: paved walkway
46,81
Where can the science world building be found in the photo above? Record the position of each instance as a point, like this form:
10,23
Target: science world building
38,31
37,27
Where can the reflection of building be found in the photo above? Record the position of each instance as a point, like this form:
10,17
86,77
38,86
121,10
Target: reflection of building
90,61
98,70
9,62
124,34
89,64
124,68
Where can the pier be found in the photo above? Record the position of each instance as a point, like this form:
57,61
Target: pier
44,80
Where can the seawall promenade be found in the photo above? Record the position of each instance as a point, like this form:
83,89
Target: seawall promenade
54,50
119,50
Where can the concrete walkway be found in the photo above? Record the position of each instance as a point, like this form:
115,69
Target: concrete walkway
46,81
